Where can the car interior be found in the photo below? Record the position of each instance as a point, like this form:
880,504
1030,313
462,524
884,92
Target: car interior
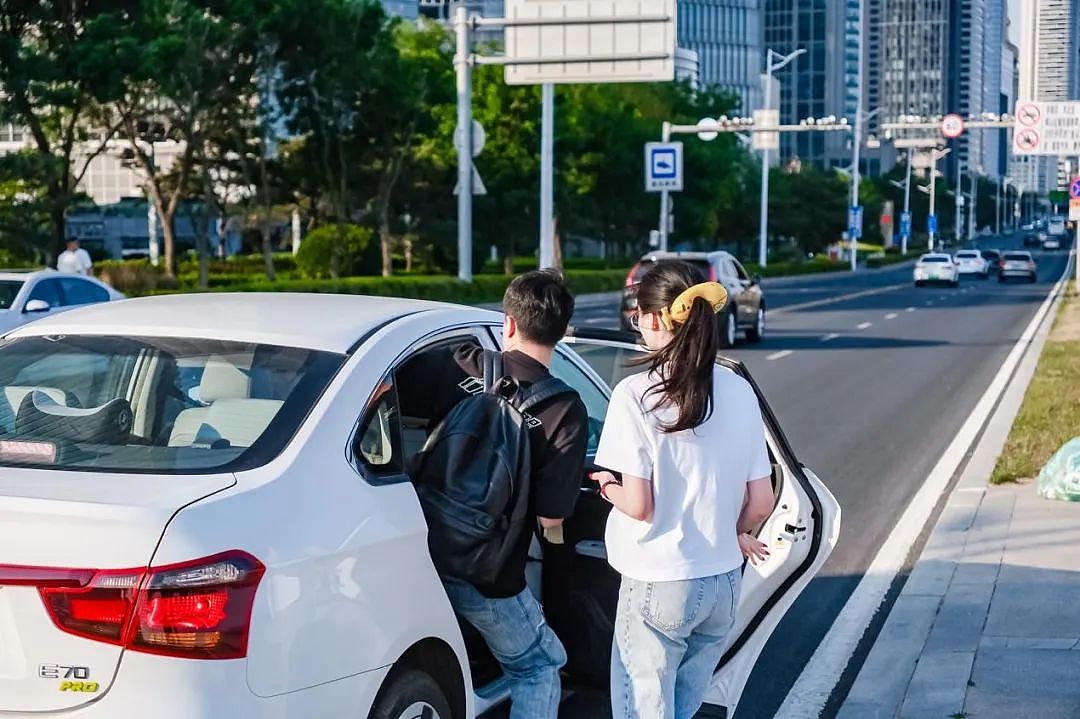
577,587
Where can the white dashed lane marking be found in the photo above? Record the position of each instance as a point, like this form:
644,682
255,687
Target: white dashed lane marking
864,325
891,316
780,355
910,309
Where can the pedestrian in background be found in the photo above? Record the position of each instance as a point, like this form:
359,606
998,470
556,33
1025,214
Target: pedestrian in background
75,259
688,440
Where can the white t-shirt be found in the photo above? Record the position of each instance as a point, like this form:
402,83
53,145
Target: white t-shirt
699,479
77,262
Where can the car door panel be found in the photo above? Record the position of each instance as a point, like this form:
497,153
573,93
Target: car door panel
801,533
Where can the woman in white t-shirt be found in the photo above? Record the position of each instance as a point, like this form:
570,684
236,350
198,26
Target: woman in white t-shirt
687,438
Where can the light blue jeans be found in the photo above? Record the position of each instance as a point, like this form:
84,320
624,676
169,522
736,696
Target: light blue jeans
669,637
517,634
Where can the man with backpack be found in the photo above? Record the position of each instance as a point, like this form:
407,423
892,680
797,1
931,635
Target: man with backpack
506,454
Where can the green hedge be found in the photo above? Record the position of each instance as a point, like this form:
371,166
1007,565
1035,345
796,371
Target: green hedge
524,264
484,288
893,258
787,269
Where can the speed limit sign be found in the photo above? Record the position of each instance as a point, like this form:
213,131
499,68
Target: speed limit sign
952,126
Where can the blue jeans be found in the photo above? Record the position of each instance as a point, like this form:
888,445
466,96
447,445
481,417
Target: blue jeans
669,637
517,634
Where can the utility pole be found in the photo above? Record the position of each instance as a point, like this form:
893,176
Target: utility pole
763,220
855,176
547,176
665,136
907,207
463,68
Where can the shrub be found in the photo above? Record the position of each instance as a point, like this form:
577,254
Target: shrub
134,278
316,258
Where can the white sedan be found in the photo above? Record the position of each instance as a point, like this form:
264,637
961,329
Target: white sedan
205,509
972,262
29,296
936,268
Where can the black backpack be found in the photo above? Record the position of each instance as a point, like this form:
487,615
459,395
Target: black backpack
473,476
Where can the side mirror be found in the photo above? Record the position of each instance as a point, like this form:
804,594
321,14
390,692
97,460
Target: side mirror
755,280
35,306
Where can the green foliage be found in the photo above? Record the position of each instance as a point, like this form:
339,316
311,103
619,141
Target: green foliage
334,251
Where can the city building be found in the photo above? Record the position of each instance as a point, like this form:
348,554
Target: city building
728,37
823,81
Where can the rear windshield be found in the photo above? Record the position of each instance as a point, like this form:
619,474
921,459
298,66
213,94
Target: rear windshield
937,258
153,405
8,290
1017,256
968,255
646,265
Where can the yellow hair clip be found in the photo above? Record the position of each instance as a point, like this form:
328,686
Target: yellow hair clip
712,292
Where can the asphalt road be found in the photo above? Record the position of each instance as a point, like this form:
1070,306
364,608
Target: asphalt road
869,391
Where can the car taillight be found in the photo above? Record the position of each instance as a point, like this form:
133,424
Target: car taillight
712,273
196,610
630,281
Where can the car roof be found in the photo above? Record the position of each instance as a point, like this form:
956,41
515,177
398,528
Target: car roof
968,252
327,322
941,255
705,256
1025,253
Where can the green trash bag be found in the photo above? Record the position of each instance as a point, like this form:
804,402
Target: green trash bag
1060,478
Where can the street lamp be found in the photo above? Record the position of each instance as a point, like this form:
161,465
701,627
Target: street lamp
859,119
763,223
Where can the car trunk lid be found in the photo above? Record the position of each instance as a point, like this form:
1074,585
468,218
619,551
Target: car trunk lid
56,530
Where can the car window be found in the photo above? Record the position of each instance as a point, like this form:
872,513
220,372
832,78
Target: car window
138,410
9,290
81,292
935,259
1016,256
596,401
378,442
968,255
740,270
48,291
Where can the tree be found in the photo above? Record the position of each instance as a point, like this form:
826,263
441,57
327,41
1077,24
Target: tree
52,69
180,60
330,55
24,204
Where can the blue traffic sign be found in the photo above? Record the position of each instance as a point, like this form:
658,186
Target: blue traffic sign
855,217
663,166
1074,189
931,223
905,224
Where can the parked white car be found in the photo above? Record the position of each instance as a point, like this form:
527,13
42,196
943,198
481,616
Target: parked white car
936,268
205,509
971,262
29,296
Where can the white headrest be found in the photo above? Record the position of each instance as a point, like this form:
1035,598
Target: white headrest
223,380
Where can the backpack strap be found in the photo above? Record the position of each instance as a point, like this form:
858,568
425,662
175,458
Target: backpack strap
493,369
540,392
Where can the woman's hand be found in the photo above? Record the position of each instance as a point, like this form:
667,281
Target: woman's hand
754,550
602,478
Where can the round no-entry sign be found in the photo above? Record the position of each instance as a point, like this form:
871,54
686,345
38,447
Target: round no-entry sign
952,126
1074,188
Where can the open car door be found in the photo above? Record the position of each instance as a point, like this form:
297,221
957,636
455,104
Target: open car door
801,531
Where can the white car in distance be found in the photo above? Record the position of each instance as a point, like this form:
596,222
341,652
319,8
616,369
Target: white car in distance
208,496
936,268
33,295
971,262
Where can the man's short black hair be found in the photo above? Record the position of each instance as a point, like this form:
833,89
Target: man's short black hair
541,304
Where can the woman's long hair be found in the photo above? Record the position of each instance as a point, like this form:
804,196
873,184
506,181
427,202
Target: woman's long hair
684,368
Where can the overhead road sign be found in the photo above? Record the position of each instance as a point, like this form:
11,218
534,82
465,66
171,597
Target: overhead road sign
586,41
1047,128
663,166
766,140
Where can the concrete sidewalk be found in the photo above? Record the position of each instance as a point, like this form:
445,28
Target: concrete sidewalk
988,623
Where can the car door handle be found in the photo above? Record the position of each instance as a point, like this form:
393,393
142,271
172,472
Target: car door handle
791,532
